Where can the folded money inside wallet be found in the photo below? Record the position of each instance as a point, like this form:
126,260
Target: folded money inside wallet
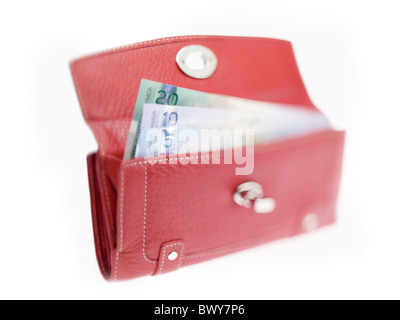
162,196
161,126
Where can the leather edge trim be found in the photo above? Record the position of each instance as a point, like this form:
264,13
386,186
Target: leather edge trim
164,264
162,41
106,272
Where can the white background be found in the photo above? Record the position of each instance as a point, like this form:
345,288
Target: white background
348,53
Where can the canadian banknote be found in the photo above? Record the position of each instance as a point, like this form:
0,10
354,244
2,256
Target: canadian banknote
161,94
166,129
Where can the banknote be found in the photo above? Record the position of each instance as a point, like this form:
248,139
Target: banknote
151,92
166,129
161,126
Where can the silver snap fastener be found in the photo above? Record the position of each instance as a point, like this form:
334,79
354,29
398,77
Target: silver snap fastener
251,194
173,256
266,205
197,61
310,222
247,192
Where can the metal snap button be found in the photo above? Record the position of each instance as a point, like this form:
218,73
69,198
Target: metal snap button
265,205
173,256
310,222
251,194
197,61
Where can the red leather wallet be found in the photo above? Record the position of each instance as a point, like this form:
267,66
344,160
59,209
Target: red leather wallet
150,217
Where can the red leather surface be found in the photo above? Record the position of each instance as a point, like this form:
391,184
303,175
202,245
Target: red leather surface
103,247
141,205
107,84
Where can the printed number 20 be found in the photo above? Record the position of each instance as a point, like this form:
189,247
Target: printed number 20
172,99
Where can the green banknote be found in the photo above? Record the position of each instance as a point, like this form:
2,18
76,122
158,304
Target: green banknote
151,92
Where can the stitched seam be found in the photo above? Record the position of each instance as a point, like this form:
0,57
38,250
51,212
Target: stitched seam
165,161
96,234
143,44
97,136
145,217
181,256
145,201
116,267
95,131
139,44
121,223
163,258
103,174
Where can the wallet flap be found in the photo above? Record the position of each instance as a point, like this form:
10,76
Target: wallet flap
254,68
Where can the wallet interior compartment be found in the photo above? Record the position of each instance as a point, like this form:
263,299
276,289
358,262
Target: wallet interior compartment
160,202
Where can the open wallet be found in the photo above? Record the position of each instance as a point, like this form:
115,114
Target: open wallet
153,214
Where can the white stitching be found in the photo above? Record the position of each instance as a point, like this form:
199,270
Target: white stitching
328,134
95,132
116,266
180,257
105,185
140,44
269,148
144,210
102,176
121,223
145,216
164,161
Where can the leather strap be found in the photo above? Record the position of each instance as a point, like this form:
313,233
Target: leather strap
171,255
